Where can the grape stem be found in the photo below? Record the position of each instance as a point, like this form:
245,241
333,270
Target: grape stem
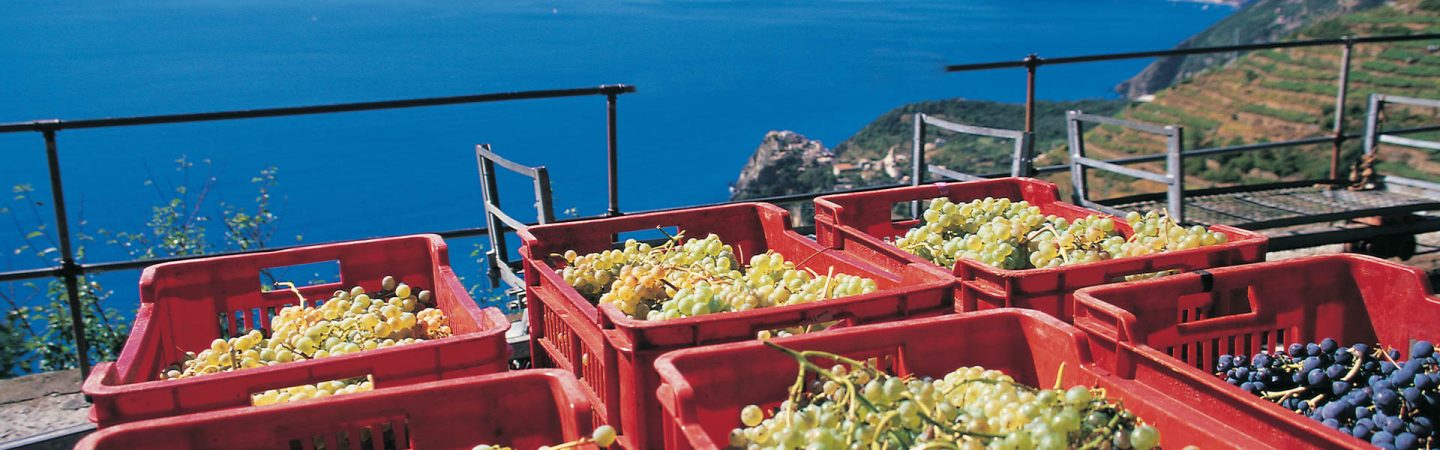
1280,395
1354,368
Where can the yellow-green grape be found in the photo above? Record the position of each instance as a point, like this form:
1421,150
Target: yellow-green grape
1015,235
694,277
978,408
603,436
348,322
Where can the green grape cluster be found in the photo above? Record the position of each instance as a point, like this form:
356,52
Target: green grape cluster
602,437
349,322
1157,232
1016,235
693,277
1006,234
852,405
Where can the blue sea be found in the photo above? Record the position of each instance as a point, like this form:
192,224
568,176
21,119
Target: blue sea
713,78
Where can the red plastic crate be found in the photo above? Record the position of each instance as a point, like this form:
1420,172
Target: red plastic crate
613,354
525,410
1168,333
704,389
186,305
860,222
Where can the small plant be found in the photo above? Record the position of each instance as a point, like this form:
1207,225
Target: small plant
35,331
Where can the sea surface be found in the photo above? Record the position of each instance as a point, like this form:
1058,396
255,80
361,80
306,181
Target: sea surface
713,78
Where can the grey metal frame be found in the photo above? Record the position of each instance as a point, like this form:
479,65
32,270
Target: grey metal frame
1019,165
1374,136
1173,178
1020,158
497,221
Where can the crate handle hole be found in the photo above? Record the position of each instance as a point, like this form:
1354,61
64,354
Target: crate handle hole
303,275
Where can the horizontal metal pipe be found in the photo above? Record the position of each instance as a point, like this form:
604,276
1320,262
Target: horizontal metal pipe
973,129
1417,143
1164,130
1098,164
43,125
1189,51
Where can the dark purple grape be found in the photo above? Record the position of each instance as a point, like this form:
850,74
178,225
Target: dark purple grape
1394,354
1422,349
1335,371
1394,424
1406,441
1242,373
1261,360
1333,410
1420,429
1316,377
1225,363
1296,350
1382,437
1310,364
1360,430
1411,394
1387,400
1328,345
1312,349
1362,348
1425,381
1343,356
1361,412
1386,367
1339,388
1332,423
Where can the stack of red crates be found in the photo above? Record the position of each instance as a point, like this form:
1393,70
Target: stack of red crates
860,224
704,389
186,305
522,410
1168,333
613,354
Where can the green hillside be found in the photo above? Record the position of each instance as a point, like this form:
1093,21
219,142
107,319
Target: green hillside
973,154
1289,94
1258,21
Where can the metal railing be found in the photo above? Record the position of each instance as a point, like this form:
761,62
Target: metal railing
1338,136
70,270
497,221
1173,178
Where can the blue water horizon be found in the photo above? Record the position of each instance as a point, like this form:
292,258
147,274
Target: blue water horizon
713,77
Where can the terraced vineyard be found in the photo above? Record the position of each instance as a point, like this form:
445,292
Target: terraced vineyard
1287,94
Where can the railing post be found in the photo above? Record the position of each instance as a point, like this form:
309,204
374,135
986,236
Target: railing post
1032,62
1372,122
543,205
489,191
1341,89
917,160
612,156
1077,151
69,270
1174,165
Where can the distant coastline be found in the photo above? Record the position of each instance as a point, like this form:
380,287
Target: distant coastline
1230,3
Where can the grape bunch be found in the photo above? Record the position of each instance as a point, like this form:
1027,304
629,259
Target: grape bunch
1358,390
1016,235
693,277
602,437
853,405
349,322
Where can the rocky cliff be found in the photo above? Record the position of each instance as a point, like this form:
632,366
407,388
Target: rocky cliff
785,163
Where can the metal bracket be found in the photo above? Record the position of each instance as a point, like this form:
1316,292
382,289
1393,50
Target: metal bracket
1020,159
498,222
1173,178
